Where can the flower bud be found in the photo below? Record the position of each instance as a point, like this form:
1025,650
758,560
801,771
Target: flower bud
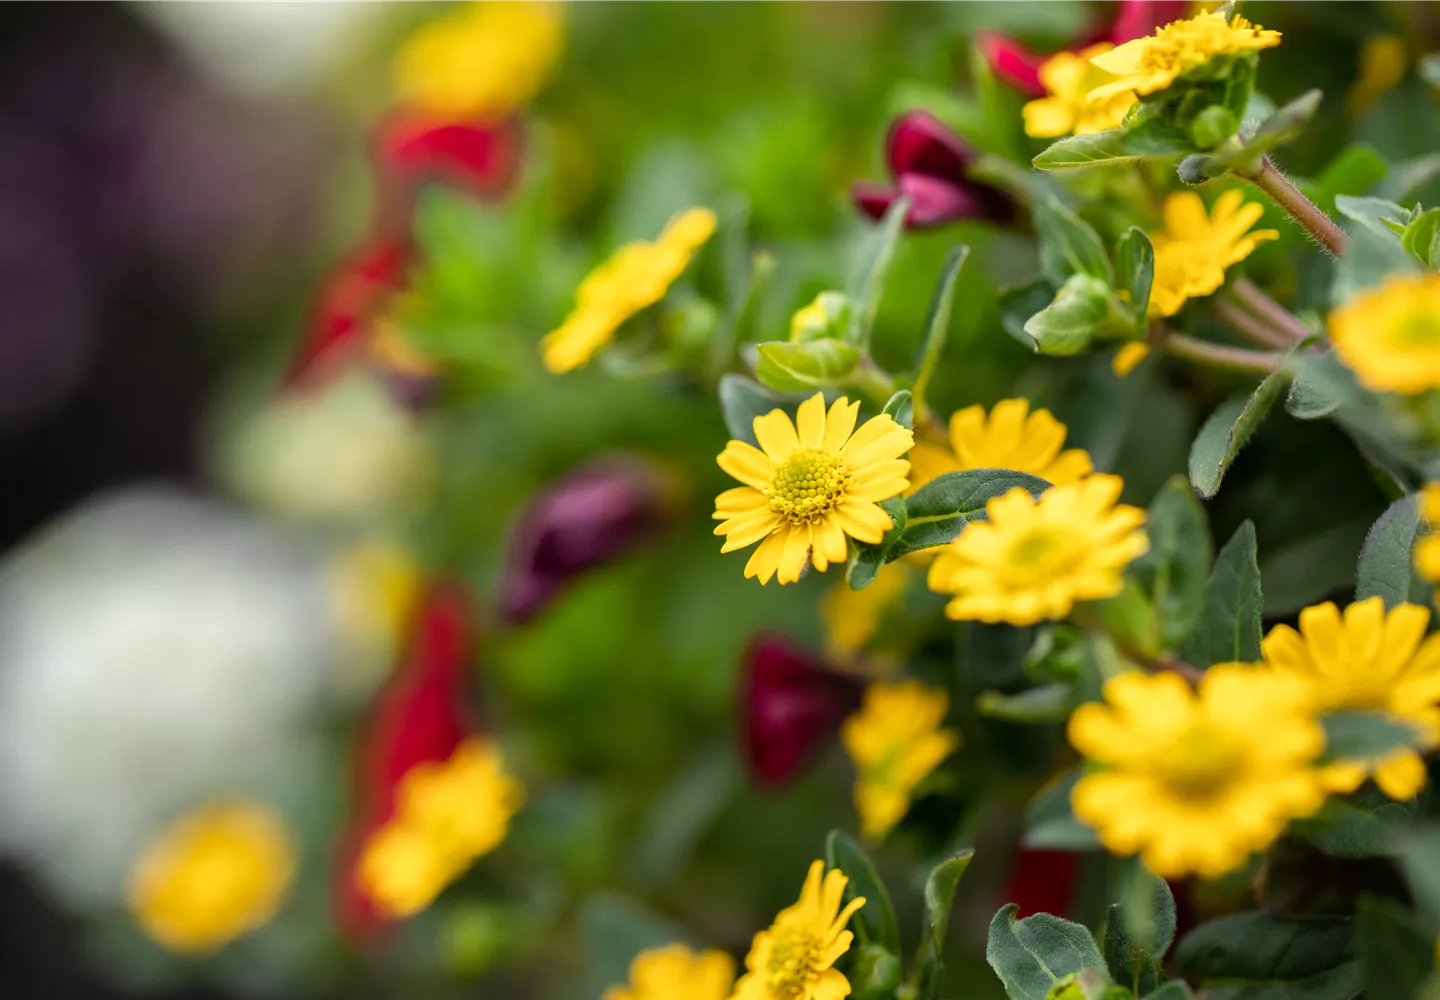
1087,985
875,973
929,163
790,703
826,317
479,158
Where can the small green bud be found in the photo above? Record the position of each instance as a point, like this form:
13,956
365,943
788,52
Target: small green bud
824,318
1213,126
875,973
1087,985
472,938
691,324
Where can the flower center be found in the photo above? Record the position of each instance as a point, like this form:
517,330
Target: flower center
1200,762
808,485
1420,328
794,954
1038,555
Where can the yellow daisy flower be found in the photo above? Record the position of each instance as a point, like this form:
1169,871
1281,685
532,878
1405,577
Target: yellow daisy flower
1195,781
1389,336
636,276
808,485
895,741
1031,561
674,972
1367,660
1194,250
1147,65
1128,357
212,875
1070,77
1011,437
1427,549
794,959
485,60
851,616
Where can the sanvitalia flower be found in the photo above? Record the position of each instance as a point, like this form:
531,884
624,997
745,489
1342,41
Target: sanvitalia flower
1427,549
1367,660
213,875
1010,437
636,276
852,616
791,701
1389,336
675,972
794,959
1069,79
895,741
1194,781
808,485
1384,61
1032,560
1151,64
483,61
1196,247
1129,357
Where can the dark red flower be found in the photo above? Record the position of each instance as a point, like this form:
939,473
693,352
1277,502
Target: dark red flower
590,517
1042,881
1012,62
1138,18
422,715
929,163
480,158
790,703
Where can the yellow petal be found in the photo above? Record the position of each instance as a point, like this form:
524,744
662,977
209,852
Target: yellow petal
776,435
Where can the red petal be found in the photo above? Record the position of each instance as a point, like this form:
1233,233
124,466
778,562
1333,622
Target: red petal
480,158
1138,18
920,143
344,302
1012,62
1043,881
873,198
790,703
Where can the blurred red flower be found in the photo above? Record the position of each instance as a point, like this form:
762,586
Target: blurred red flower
790,703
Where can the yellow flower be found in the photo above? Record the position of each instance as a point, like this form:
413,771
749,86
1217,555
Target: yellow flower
794,959
806,489
211,876
895,741
1194,781
1427,549
1382,65
1129,356
1070,77
1367,660
1010,438
851,616
636,276
376,587
674,972
1146,65
485,60
447,814
1191,255
1031,561
1390,336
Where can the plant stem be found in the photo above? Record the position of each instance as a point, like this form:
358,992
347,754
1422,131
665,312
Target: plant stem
1158,663
1268,309
1250,325
1300,208
1237,359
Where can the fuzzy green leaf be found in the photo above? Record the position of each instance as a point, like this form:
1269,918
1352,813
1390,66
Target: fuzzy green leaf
937,324
875,921
939,898
1344,829
795,367
1084,309
1397,953
1068,244
1366,735
1271,956
869,286
1050,823
1135,261
1229,429
1174,572
1387,562
1151,140
1229,627
940,509
901,408
1422,238
742,400
1046,703
1030,956
1136,942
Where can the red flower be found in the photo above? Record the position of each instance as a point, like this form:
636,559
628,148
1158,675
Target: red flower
480,158
1042,881
790,702
422,715
930,163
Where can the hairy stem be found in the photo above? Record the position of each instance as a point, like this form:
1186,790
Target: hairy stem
1300,208
1237,359
1250,325
1268,309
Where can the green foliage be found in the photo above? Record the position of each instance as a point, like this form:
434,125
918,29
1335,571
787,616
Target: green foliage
1135,260
1051,824
1229,627
1033,955
1259,955
938,511
940,886
1068,245
1367,826
1387,566
1173,574
1366,735
1422,238
874,923
1138,932
1229,429
937,323
869,285
1084,309
1150,140
741,401
1397,952
786,366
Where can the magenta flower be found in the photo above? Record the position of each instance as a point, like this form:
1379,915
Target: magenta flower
790,703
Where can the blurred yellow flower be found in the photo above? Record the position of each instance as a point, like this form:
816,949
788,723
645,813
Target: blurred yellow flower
896,741
675,972
376,587
851,616
1367,660
1427,549
1195,248
390,351
211,876
1129,356
1011,437
1195,781
1147,65
484,60
1070,77
636,276
447,814
1031,561
807,488
1383,62
794,959
1389,336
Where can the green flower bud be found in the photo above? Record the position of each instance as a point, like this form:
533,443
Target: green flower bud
1213,126
875,973
1087,985
826,317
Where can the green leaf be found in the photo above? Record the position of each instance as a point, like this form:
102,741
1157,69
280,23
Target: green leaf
796,367
1365,735
865,559
939,898
1050,822
1387,562
1229,429
1344,829
866,291
1173,990
1135,260
901,408
1271,956
938,511
1174,572
1420,860
1375,251
1422,238
1397,954
937,324
1085,308
1030,956
1280,129
1018,304
742,400
875,921
1229,627
1137,936
1046,703
1116,147
1068,244
1321,386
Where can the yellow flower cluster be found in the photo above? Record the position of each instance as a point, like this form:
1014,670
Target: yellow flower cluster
1010,437
896,741
794,959
447,814
1071,79
1148,65
1196,247
1427,549
211,876
675,972
484,61
636,276
1389,336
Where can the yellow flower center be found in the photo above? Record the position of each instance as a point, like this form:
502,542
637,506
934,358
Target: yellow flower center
808,485
794,954
1419,329
1040,555
1200,761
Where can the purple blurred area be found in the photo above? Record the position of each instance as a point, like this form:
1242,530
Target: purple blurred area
134,196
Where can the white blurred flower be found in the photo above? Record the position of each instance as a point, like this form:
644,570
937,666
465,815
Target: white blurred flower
159,650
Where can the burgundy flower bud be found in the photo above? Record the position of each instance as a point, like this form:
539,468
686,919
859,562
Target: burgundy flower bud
920,143
590,517
790,704
1013,63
